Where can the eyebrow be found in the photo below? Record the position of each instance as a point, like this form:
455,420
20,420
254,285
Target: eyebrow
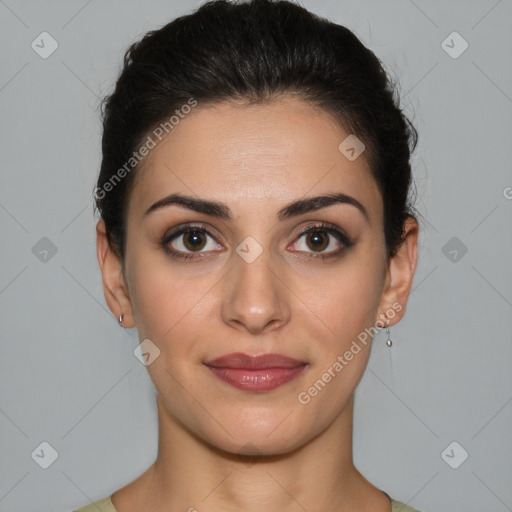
222,211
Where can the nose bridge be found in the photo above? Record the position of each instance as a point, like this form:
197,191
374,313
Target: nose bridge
255,297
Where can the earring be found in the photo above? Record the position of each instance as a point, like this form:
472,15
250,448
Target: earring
120,320
388,341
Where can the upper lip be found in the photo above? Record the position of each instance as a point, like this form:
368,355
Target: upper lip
247,362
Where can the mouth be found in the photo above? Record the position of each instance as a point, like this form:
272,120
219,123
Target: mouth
256,373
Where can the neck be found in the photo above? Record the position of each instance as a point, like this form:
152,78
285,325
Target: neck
190,474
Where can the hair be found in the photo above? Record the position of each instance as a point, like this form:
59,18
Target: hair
254,52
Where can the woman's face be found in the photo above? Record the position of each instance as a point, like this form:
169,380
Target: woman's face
250,282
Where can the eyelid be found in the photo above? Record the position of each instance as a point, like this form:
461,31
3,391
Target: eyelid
345,241
339,233
185,228
328,227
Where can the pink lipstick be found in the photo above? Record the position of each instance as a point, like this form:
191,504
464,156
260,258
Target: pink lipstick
256,373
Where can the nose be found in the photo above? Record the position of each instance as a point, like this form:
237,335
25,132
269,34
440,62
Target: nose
255,296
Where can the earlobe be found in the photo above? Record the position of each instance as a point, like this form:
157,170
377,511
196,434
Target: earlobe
114,287
400,275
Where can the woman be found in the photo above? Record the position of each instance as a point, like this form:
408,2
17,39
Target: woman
256,230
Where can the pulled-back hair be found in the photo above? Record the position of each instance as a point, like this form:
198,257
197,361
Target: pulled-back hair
253,52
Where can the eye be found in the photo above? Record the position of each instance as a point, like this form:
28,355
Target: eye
324,239
188,241
320,241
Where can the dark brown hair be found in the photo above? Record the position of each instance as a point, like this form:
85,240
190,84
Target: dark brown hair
254,51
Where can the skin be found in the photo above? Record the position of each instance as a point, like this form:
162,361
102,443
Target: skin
256,160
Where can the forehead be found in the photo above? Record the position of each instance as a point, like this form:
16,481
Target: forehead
250,155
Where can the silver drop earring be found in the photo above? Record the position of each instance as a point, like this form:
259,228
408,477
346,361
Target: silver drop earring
388,341
120,320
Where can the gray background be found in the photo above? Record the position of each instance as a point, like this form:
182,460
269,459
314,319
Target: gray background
67,372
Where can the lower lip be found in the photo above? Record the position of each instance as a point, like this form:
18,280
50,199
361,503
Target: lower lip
257,380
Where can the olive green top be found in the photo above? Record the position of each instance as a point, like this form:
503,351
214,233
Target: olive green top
106,505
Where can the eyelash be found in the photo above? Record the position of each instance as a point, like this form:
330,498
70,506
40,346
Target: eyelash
323,227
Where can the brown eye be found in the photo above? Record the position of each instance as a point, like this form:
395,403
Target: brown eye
189,242
194,240
322,241
317,240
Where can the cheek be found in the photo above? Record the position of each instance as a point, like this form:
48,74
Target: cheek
170,311
344,301
170,305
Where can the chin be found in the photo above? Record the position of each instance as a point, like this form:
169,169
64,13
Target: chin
259,440
254,447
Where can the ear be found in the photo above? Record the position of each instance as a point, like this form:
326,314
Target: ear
114,287
399,276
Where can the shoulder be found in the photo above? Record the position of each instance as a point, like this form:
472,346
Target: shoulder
103,505
398,506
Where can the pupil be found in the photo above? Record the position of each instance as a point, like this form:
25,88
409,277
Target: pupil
319,240
192,238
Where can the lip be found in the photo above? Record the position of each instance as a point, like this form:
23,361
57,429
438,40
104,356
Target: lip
256,373
243,361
